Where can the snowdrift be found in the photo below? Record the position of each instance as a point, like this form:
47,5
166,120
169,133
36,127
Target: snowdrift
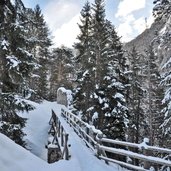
15,158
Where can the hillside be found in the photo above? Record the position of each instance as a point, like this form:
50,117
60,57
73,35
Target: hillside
159,33
142,41
15,158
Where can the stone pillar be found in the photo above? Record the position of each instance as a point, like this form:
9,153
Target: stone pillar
54,153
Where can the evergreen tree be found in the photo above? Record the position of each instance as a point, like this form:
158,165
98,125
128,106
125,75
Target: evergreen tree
136,96
61,70
84,64
137,123
102,82
16,67
154,98
39,38
99,41
166,84
110,94
162,8
161,12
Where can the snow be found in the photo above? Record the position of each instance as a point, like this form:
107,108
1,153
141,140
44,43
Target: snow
16,158
144,144
95,116
4,44
13,61
167,96
89,109
52,146
107,78
85,73
163,30
167,64
136,155
25,52
95,96
35,76
100,100
119,96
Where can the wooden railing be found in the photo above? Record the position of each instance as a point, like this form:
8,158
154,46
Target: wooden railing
85,131
109,150
59,138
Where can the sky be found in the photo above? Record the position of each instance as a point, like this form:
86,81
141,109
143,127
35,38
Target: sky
130,17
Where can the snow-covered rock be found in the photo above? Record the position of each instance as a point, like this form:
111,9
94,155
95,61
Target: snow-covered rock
64,96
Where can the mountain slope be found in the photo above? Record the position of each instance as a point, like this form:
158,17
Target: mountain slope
142,41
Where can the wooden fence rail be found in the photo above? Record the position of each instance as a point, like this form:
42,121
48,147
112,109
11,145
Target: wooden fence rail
59,140
108,149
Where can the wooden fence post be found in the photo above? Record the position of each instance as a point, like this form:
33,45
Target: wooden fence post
87,132
75,121
147,153
62,136
99,150
59,129
66,147
98,138
69,119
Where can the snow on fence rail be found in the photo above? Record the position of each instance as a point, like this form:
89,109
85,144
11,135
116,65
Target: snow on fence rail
85,131
58,141
109,150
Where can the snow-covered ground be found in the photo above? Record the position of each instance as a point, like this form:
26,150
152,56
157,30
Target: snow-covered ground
16,158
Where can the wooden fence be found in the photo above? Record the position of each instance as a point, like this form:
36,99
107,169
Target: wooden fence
59,140
108,149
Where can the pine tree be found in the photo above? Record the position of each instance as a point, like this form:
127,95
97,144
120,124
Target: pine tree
99,40
16,66
61,70
39,39
136,95
161,12
154,98
84,64
137,122
162,8
110,95
102,82
165,83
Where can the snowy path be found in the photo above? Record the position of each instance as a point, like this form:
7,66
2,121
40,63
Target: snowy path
85,158
82,158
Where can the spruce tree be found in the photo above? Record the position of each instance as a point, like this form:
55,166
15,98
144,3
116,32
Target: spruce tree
136,95
162,9
84,64
166,84
110,95
16,66
137,121
154,98
102,82
61,72
40,42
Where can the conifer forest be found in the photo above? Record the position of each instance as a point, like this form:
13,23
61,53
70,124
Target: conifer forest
123,89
